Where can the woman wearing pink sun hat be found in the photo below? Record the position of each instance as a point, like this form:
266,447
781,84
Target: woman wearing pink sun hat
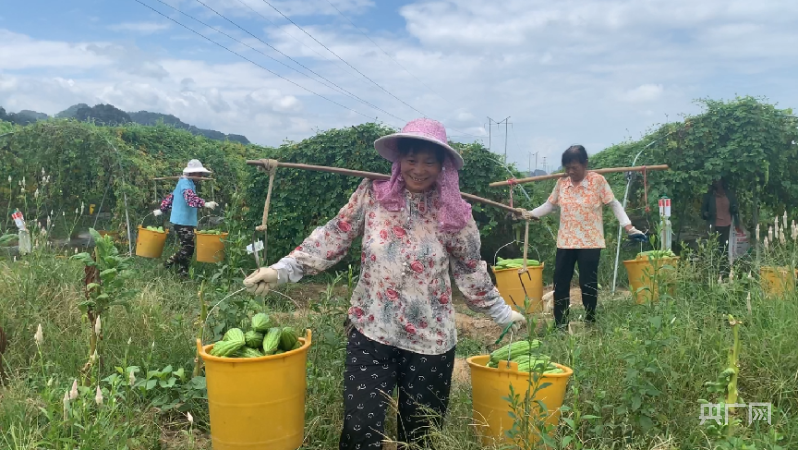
401,323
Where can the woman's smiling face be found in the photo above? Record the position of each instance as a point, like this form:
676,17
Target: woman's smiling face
420,166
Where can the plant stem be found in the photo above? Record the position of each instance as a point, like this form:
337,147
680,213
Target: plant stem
734,352
203,317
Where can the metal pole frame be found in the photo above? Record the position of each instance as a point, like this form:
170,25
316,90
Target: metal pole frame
629,177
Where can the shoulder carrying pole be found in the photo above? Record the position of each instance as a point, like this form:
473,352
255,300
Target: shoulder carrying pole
269,164
561,175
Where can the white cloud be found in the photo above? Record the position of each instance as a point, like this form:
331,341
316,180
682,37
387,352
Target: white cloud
140,27
18,51
575,71
644,93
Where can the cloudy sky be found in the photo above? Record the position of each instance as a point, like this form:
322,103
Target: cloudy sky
594,72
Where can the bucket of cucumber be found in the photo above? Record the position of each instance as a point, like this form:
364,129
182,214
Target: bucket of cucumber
650,270
210,245
150,241
515,284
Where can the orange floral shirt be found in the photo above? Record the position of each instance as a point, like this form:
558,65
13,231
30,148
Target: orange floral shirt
581,207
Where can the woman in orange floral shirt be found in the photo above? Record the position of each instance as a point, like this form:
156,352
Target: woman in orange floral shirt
581,197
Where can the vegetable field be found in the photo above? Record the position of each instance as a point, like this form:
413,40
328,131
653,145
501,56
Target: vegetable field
98,347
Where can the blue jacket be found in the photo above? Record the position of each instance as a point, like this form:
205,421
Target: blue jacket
182,214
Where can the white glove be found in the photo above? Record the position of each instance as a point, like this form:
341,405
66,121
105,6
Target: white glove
157,212
526,214
261,281
517,319
211,205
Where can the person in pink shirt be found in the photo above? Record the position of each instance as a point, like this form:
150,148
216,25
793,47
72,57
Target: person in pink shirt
580,197
418,234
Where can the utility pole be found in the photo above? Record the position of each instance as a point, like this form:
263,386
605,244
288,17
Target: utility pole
530,162
505,137
490,130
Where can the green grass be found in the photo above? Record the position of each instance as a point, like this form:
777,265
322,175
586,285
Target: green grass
641,372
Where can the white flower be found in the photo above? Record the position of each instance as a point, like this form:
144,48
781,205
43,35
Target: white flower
73,394
766,243
97,326
99,396
39,336
129,341
784,221
770,233
9,179
131,378
36,193
757,232
731,274
190,418
750,276
66,398
82,208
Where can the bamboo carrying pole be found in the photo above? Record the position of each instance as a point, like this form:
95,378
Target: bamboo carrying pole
177,177
560,175
374,176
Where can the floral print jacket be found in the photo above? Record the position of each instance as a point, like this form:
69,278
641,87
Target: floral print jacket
404,294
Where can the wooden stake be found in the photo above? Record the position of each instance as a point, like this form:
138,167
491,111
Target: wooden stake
374,176
560,175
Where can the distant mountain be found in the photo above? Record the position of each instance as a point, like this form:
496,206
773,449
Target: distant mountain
70,112
23,117
103,114
150,118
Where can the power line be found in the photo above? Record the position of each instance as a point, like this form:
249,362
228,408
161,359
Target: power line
399,64
344,91
388,55
300,64
284,31
343,60
247,59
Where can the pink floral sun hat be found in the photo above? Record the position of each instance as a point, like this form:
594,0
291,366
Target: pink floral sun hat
424,129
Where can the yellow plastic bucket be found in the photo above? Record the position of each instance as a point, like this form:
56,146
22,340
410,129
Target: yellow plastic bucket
777,280
512,282
490,387
642,272
257,403
149,244
210,247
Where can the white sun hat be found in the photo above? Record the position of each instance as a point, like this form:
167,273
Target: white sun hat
194,166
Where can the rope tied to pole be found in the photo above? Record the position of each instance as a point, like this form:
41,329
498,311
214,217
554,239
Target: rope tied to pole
512,182
270,166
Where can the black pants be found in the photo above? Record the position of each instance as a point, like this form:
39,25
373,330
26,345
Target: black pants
588,260
182,258
372,371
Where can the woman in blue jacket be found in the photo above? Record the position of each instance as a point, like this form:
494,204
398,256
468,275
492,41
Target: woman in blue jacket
184,203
